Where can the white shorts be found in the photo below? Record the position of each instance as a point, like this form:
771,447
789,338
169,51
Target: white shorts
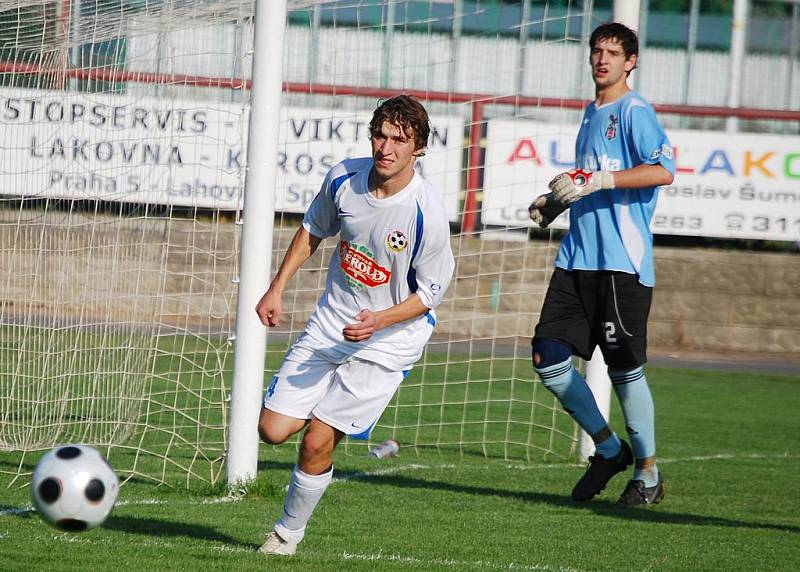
346,393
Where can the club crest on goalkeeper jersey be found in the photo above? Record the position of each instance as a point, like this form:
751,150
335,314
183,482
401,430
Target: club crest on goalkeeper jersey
610,229
388,249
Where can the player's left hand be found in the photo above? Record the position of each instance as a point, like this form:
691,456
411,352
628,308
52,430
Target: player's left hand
573,185
363,329
545,209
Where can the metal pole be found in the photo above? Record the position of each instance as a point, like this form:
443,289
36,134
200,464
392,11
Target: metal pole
238,53
458,15
523,44
794,40
741,9
75,35
586,31
313,44
641,26
691,47
469,223
256,254
388,41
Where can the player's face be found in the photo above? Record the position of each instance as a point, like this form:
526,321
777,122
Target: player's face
393,151
609,64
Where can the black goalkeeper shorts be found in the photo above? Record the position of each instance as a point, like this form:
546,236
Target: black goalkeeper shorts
586,308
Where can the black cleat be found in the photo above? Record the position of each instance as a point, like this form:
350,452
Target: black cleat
600,471
636,493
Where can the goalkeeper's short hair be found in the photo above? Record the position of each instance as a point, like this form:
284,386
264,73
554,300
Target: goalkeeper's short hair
616,31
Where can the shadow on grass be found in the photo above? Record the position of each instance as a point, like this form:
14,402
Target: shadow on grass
17,511
148,527
165,528
275,466
603,508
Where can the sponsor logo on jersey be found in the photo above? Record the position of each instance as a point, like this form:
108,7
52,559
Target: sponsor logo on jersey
358,264
664,150
611,130
396,241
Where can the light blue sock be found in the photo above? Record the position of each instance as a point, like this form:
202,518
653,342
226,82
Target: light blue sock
575,396
637,407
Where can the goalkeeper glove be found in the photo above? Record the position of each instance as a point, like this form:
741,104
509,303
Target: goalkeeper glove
545,208
573,185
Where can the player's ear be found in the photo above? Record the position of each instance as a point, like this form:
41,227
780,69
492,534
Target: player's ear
419,152
630,63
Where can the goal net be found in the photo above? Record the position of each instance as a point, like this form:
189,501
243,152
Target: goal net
123,137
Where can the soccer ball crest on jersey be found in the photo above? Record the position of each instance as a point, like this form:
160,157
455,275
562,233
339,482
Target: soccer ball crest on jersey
611,130
396,241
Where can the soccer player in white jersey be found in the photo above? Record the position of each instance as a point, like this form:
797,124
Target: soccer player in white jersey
601,289
390,270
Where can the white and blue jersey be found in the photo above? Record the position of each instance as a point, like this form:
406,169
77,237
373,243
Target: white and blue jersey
610,229
388,250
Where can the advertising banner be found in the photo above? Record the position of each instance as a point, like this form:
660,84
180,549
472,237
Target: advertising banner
726,185
143,150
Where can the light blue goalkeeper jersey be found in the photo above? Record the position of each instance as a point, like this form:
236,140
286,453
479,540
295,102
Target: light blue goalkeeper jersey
610,229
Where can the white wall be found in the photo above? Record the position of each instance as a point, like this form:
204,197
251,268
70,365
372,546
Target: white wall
422,62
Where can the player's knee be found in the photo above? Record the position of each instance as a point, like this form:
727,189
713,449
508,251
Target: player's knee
316,445
272,433
547,352
271,436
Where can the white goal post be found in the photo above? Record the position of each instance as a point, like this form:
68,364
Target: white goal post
251,341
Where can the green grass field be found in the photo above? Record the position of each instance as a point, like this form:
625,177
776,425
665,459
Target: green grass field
727,445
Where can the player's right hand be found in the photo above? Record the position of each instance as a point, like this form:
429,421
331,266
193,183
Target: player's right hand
574,185
269,308
363,329
545,209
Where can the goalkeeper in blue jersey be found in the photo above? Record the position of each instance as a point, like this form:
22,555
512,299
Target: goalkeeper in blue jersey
602,286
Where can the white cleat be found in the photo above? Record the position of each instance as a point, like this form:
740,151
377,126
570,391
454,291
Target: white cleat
274,544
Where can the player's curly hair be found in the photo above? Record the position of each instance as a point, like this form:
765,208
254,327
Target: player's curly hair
405,112
619,32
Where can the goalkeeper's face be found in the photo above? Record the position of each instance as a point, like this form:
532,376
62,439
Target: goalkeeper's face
610,65
394,151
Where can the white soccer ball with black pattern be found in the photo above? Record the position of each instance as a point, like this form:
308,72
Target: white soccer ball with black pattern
74,488
396,241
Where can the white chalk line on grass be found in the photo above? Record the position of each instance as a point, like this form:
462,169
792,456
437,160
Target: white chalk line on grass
729,456
361,475
345,556
459,564
142,502
662,460
358,475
